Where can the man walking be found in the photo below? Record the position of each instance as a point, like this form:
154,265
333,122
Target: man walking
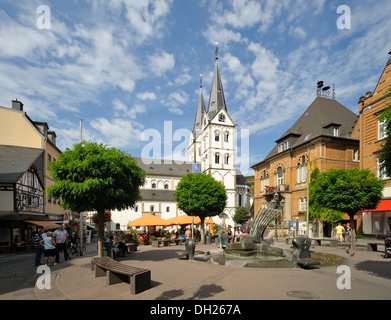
61,239
38,247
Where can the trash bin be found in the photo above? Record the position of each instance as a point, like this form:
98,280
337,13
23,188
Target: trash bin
208,238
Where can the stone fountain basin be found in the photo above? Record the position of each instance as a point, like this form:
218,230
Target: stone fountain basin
253,250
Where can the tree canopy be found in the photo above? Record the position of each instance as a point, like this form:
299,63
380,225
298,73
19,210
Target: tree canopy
346,190
92,176
199,194
242,215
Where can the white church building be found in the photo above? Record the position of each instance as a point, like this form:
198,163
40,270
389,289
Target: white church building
212,147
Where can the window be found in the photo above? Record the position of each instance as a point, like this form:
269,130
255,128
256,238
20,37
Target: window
217,158
356,155
264,180
382,129
153,185
217,136
226,137
221,117
168,209
301,171
152,208
284,146
136,208
117,226
166,186
303,204
280,174
226,159
335,131
381,172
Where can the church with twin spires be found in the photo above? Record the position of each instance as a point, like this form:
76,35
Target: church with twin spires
211,147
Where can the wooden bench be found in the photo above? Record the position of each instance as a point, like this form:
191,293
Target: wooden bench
372,246
115,272
132,246
157,243
318,241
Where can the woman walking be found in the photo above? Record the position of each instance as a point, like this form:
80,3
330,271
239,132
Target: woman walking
50,248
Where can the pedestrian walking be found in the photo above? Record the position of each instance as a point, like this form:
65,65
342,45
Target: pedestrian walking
61,239
50,247
339,229
39,248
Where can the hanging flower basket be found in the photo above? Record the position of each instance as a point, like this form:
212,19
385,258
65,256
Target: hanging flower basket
95,217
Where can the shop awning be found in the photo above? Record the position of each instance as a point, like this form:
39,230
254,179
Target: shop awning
44,223
384,205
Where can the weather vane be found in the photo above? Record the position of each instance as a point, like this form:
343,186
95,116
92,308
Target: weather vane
201,80
217,50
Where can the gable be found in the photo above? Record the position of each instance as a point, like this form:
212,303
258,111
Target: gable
222,118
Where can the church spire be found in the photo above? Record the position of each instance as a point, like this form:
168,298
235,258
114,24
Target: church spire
216,96
199,113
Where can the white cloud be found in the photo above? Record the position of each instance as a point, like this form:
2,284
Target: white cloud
122,111
159,63
117,132
146,96
176,102
297,32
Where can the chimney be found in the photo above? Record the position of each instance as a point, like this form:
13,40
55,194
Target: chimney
17,105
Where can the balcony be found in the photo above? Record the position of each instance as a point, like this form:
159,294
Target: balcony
280,188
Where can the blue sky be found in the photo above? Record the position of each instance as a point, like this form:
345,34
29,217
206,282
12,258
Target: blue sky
127,68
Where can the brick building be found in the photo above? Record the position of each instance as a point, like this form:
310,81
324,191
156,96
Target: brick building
322,136
370,133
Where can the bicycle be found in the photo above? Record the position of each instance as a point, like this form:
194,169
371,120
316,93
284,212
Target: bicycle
74,250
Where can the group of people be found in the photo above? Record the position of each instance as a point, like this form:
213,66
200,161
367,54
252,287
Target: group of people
235,235
343,232
117,244
50,244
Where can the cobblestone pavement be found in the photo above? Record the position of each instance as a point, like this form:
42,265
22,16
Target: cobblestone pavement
174,279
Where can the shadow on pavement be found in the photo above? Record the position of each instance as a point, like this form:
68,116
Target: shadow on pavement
376,268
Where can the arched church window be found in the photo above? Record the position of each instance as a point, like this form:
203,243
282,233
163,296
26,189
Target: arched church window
217,136
226,136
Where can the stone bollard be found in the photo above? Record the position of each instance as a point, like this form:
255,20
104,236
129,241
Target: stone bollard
190,248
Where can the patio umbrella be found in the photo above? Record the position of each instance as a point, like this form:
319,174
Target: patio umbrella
185,219
149,220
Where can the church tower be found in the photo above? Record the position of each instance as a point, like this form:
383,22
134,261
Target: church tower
212,140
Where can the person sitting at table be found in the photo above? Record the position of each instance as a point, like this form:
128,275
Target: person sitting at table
121,244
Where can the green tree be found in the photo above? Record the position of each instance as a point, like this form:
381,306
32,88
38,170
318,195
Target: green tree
347,190
199,194
385,152
318,212
91,177
242,215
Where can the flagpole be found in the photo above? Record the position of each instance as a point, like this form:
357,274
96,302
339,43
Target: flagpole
308,192
81,213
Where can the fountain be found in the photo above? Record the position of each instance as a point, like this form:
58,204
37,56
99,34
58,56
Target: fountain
253,246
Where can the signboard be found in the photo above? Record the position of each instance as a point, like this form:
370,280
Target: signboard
302,226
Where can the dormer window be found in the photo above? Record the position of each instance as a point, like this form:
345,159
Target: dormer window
284,146
221,117
335,131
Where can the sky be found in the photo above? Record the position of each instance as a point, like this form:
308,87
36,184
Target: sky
131,70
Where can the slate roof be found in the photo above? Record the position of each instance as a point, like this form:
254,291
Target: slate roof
157,195
318,120
164,168
240,179
15,161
